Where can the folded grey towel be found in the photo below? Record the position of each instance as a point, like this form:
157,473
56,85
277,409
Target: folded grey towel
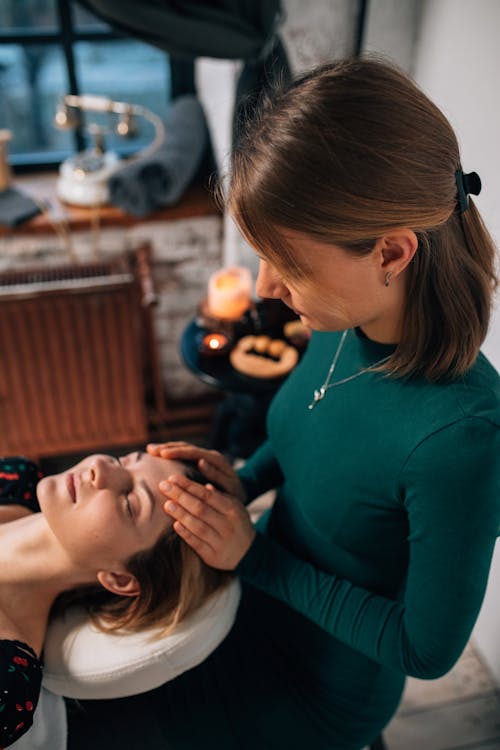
16,207
161,178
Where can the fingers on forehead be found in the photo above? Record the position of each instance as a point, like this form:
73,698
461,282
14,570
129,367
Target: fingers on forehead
200,491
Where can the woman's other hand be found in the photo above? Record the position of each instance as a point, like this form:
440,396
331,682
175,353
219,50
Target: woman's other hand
212,464
217,526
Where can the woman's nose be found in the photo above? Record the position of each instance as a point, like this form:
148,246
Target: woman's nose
100,471
269,283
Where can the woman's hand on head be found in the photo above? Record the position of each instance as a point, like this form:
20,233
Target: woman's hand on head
217,526
212,464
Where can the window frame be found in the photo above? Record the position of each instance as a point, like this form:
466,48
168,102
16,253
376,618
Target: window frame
66,35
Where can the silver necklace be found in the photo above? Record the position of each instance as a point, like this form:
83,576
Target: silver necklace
320,393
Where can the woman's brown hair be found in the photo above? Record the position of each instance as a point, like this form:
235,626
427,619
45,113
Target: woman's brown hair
347,153
174,582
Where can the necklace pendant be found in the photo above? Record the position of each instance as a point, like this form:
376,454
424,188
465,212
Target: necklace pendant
318,395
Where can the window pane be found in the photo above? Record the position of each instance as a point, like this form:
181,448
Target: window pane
21,15
126,71
83,20
32,77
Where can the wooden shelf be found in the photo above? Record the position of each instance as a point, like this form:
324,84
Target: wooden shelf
196,202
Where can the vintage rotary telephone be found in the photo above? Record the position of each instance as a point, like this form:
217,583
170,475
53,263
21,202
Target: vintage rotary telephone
83,179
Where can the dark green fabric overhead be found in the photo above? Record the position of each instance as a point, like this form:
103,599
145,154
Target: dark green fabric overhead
227,29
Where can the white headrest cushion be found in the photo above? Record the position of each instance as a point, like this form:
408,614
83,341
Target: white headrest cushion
83,662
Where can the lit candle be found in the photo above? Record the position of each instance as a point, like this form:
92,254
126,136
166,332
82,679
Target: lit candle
229,292
214,343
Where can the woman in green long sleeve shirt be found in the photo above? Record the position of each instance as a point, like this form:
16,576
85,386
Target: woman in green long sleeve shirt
391,488
383,444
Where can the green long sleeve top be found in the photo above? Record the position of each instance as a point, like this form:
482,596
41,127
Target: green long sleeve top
388,505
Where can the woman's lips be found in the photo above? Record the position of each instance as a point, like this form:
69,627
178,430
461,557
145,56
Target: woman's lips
70,484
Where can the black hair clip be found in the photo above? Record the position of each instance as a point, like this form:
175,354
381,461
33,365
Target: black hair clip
467,183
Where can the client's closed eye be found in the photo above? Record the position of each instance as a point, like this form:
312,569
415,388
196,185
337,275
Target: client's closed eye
128,506
128,503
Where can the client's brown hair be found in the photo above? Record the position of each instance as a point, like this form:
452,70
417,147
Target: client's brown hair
174,582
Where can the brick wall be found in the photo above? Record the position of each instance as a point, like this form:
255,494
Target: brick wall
185,253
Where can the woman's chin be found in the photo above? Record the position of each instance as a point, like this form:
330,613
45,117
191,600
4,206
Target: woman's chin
323,325
45,490
310,322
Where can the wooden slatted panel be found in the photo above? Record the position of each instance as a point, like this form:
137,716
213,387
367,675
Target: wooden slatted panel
71,371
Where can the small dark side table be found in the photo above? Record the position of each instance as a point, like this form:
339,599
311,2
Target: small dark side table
239,425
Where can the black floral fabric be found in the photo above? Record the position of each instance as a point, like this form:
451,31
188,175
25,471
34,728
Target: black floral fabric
20,682
20,669
18,480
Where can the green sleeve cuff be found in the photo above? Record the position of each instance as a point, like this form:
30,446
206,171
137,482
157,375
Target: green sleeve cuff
261,472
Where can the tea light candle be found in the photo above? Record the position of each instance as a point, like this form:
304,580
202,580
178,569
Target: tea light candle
229,292
214,343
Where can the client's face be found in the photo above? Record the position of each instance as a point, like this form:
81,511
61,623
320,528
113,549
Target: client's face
105,509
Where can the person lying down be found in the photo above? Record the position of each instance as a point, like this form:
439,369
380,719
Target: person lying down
95,535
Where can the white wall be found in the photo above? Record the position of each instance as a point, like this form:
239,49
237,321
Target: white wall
458,65
391,29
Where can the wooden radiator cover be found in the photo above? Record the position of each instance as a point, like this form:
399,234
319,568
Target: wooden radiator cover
71,359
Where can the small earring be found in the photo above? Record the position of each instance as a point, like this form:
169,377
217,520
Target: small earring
387,278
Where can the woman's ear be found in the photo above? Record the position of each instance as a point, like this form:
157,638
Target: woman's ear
396,250
123,584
